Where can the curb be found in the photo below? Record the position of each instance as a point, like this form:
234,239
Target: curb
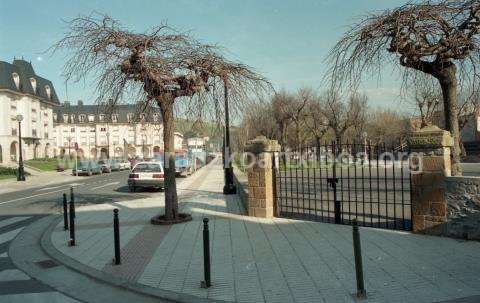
49,248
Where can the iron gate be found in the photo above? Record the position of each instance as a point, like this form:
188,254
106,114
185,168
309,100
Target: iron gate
340,182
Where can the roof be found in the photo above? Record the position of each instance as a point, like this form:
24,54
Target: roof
25,72
75,111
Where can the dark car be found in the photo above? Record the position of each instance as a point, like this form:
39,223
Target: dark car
114,165
105,166
87,168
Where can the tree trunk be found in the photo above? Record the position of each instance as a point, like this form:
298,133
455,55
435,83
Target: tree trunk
448,83
171,200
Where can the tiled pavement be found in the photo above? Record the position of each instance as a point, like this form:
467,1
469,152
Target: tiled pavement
15,285
279,260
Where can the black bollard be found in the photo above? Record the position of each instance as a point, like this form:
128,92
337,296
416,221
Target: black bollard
72,223
116,236
206,255
72,200
357,251
65,212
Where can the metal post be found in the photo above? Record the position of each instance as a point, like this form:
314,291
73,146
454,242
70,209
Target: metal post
357,251
116,236
206,255
72,200
229,188
72,223
21,171
65,212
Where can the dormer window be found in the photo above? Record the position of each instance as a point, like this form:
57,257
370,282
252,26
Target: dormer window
48,91
65,118
81,118
54,117
16,80
101,117
91,118
114,118
33,82
130,117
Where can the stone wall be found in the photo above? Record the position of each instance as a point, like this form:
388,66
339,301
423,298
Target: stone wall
463,207
241,182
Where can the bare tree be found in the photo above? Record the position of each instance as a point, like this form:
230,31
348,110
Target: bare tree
155,68
283,117
342,116
438,38
427,98
315,119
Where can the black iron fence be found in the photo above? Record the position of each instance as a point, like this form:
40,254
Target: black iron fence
339,183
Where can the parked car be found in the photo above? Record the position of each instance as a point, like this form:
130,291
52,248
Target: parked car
87,168
105,165
146,175
114,165
124,164
182,166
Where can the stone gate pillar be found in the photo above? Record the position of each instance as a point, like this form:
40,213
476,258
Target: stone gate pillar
430,163
261,201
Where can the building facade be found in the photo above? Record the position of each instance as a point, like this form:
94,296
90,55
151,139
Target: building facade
95,131
23,92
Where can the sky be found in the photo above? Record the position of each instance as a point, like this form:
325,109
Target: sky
285,40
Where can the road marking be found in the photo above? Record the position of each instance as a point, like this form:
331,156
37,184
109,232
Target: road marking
104,185
13,220
48,188
5,237
33,196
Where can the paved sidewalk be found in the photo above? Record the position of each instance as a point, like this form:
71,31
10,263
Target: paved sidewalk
259,260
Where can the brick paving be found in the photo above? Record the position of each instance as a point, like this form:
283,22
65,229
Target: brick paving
260,260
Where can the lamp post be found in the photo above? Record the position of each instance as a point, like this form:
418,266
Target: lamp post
21,172
229,188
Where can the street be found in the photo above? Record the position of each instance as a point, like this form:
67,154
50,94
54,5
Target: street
105,188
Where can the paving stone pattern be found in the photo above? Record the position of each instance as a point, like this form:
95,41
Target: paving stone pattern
271,260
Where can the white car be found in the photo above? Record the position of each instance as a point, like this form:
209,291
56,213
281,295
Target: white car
124,165
146,175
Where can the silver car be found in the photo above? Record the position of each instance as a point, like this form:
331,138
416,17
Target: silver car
146,175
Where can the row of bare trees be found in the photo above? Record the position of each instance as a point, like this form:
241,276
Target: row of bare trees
308,118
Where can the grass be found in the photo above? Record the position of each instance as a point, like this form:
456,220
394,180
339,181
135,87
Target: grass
7,173
48,164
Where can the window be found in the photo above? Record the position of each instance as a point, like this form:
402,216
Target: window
48,91
114,118
91,118
33,82
101,117
34,132
92,130
103,129
14,131
45,135
16,80
13,107
81,118
34,110
130,117
54,117
65,118
84,140
72,118
72,129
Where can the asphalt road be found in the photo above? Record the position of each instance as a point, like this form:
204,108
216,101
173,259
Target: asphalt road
105,188
375,197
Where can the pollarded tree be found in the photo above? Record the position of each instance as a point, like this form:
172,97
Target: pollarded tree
155,68
438,38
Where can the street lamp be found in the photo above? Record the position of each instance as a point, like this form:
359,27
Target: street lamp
229,188
21,172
